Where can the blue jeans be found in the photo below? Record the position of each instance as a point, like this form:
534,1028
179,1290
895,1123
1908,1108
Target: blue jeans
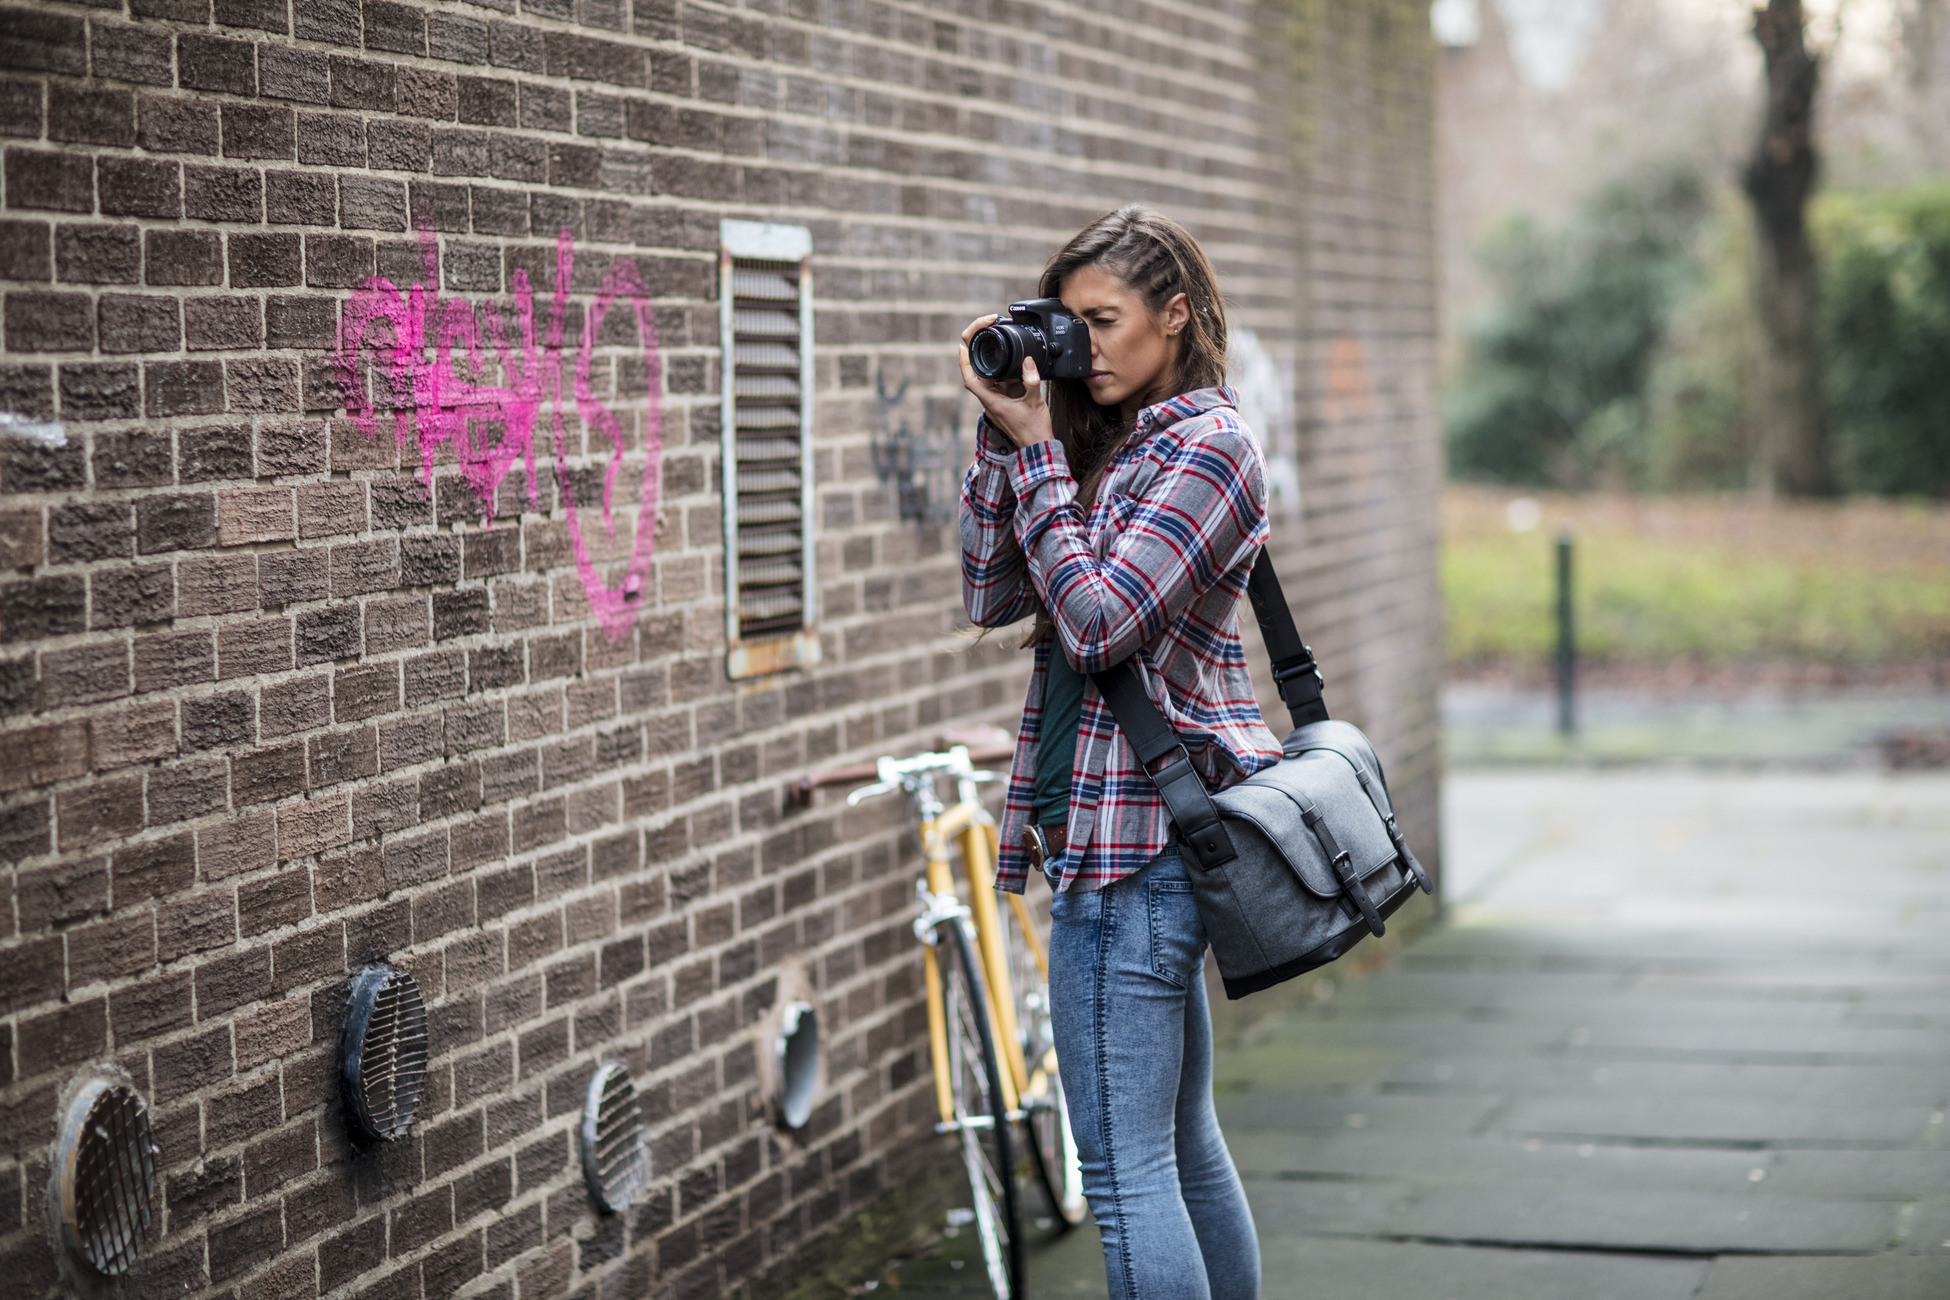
1134,1042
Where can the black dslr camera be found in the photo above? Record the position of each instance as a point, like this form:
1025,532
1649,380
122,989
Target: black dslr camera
1058,341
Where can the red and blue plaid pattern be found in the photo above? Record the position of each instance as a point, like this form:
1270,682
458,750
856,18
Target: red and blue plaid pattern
1154,575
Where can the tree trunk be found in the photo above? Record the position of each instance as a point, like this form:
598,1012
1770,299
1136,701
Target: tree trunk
1778,178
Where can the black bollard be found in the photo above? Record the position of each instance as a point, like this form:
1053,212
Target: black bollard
1567,644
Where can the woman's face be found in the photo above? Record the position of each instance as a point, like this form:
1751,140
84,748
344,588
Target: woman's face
1133,351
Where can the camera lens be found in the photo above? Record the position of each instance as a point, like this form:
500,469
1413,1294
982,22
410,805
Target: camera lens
996,351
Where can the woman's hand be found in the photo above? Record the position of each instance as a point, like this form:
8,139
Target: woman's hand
1014,406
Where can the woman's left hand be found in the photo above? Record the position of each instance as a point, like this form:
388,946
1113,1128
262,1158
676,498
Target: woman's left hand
1014,406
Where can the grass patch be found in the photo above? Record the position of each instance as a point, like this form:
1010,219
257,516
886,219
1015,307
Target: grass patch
1712,580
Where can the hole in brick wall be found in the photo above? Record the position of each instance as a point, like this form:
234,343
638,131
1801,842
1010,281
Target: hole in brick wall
384,1056
615,1157
798,1050
105,1172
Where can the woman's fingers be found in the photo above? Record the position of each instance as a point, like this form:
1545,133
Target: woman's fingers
1031,376
979,323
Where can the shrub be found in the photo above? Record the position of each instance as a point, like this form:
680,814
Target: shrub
1553,386
1886,327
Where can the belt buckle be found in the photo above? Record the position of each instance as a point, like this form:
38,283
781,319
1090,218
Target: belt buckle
1035,845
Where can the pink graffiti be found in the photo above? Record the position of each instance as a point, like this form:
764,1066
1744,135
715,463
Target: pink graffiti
445,408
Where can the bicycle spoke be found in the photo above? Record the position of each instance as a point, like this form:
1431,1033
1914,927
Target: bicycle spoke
976,1089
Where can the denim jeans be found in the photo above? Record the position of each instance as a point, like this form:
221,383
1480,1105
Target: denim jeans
1134,1042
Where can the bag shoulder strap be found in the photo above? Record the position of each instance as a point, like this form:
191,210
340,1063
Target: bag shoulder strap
1294,671
1164,755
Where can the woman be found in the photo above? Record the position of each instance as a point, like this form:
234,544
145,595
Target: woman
1125,515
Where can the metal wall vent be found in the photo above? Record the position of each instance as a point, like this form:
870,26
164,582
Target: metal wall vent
615,1156
765,324
798,1063
384,1057
105,1174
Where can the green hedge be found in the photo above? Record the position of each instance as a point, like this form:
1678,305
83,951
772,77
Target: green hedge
1886,331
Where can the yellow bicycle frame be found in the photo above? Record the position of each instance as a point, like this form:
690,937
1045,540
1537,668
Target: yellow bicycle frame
970,824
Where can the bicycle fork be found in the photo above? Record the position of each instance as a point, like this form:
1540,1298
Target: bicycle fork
940,904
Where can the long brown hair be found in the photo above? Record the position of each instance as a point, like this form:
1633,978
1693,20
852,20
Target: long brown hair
1156,258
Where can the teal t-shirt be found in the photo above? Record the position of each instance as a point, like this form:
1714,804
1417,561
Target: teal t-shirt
1056,744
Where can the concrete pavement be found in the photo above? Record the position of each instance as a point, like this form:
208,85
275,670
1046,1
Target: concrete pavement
1682,1035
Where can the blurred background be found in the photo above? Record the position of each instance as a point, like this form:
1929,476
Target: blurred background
1697,319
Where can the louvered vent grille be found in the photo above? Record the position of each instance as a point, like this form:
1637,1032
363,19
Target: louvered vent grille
766,317
615,1156
385,1053
106,1175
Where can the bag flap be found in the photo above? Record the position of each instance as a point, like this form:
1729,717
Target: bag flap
1272,798
1345,739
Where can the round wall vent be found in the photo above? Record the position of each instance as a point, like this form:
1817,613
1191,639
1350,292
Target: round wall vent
105,1174
615,1157
385,1053
798,1063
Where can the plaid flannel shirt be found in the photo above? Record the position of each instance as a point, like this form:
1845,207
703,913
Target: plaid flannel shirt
1154,575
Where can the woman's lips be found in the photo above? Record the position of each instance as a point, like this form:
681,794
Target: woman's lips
1098,376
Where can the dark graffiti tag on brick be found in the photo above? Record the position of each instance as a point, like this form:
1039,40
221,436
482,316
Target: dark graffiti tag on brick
492,426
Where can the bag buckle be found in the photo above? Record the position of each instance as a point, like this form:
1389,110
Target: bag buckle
1199,827
1303,667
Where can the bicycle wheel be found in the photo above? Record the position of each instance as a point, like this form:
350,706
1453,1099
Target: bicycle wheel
975,1082
1046,1121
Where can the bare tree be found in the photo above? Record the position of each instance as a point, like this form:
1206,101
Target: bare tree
1923,34
1779,175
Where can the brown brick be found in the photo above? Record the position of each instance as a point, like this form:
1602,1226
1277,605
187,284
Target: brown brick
119,948
44,754
104,810
154,869
261,645
176,124
246,1242
314,826
135,734
195,924
253,515
245,842
184,791
84,674
49,322
63,1037
66,891
152,1007
139,323
273,901
49,180
25,251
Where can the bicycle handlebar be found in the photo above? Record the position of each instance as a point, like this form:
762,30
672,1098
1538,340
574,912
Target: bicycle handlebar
967,746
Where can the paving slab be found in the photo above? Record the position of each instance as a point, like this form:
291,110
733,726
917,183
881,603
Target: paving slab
1914,1175
1875,1277
1674,1117
1616,1219
1309,1268
1493,1161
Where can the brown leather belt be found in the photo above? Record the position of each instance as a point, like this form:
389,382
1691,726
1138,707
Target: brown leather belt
1044,842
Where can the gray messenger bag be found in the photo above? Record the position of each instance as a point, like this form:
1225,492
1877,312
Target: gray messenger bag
1297,863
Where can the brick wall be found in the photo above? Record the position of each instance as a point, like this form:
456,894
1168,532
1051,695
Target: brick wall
272,708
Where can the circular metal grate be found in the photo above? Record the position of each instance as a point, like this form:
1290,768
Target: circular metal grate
615,1157
798,1063
105,1167
385,1053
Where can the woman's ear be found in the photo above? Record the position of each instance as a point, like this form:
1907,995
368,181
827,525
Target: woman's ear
1177,313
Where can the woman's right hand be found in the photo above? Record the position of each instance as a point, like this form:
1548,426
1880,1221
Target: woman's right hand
1013,406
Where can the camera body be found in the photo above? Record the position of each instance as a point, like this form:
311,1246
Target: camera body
1057,341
